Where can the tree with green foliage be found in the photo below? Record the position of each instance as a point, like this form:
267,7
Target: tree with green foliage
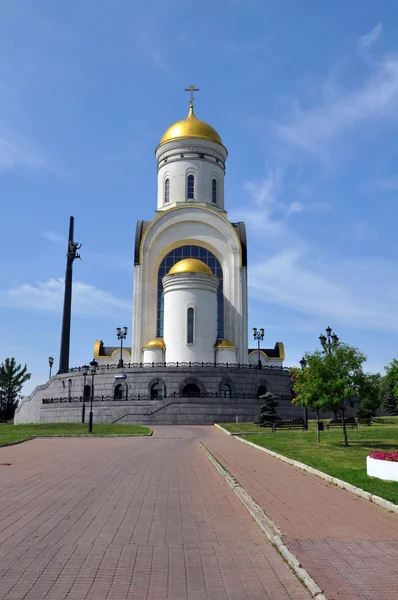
370,396
306,387
12,378
268,414
331,378
391,396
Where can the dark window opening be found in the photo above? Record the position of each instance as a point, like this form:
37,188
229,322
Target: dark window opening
191,390
214,191
87,391
157,391
190,325
262,390
225,390
190,187
118,392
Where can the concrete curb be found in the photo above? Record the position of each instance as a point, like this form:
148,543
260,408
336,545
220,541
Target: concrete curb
339,482
267,526
16,442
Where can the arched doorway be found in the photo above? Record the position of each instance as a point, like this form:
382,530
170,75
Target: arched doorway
87,391
118,392
157,391
262,390
191,390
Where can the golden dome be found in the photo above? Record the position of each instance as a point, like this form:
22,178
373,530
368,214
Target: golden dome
225,344
190,265
156,343
191,127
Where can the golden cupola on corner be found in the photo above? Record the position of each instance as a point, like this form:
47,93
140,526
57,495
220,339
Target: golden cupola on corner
191,160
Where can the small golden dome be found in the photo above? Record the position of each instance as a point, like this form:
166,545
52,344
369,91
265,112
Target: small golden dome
190,265
156,343
191,127
225,344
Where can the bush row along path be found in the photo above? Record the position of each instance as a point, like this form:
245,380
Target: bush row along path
145,519
348,545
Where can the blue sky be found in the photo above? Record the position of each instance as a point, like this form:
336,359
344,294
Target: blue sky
305,97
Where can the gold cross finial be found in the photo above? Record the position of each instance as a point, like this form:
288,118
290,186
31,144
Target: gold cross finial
191,89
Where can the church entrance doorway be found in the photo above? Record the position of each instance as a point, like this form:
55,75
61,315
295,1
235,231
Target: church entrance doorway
191,390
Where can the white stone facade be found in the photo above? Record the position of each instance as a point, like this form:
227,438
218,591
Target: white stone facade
203,159
196,292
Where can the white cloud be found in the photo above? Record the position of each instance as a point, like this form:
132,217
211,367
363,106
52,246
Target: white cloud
88,301
18,152
340,111
54,238
360,293
367,40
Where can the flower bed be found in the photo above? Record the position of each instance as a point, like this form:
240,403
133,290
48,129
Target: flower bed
383,465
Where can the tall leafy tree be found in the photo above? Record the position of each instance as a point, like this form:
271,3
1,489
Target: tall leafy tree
371,392
331,379
391,396
306,385
12,378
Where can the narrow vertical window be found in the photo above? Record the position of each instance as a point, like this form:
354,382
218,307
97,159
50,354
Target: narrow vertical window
190,325
167,191
214,191
190,187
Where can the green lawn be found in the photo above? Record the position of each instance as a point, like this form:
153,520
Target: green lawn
330,456
14,433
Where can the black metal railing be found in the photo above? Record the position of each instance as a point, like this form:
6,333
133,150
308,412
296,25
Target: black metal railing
141,397
206,365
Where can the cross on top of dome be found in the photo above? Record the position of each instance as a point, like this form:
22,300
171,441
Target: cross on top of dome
191,89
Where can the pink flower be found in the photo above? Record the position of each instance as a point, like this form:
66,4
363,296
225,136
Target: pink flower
382,455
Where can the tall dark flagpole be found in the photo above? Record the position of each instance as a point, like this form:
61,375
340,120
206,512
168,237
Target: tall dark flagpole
72,254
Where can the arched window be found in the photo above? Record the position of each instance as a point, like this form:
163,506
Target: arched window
209,259
118,392
87,391
190,325
190,187
262,390
157,391
225,390
167,191
214,191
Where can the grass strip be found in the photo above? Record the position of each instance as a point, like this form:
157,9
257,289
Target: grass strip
330,456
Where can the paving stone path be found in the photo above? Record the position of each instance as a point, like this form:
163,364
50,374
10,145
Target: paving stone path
145,519
348,545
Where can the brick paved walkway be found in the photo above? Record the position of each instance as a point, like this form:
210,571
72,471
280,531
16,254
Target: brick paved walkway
348,545
148,519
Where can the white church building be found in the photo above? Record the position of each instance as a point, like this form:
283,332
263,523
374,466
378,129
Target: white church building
189,359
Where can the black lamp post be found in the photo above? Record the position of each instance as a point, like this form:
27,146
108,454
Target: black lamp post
121,335
50,363
303,364
328,341
85,373
93,368
259,336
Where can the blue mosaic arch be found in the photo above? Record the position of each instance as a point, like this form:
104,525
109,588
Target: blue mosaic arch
209,259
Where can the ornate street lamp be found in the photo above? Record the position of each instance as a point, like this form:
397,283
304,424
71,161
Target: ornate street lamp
259,336
121,335
85,373
93,368
303,364
328,341
50,363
